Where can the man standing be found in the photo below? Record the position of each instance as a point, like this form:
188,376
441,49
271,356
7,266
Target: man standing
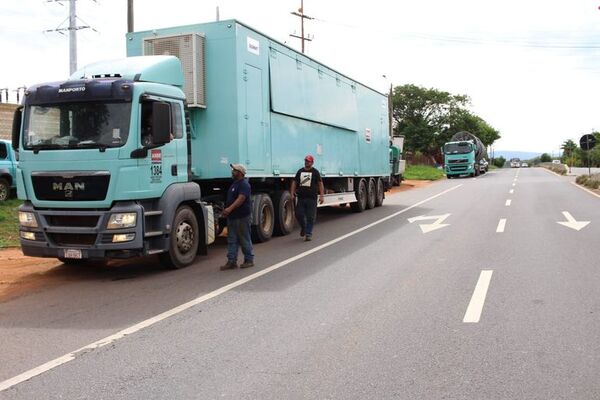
304,189
238,211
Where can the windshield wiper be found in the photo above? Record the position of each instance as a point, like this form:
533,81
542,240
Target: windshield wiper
99,146
49,146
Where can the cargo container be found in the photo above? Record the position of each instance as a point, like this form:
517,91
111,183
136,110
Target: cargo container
131,157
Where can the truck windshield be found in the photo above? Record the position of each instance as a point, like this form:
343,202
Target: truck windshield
458,148
77,125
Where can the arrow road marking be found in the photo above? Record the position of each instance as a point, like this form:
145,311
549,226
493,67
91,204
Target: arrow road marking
572,223
426,228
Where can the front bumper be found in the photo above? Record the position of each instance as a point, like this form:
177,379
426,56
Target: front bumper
84,231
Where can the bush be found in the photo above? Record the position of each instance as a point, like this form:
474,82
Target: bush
560,169
589,181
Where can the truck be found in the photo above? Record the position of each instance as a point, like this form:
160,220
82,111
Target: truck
463,155
397,164
131,157
515,162
8,168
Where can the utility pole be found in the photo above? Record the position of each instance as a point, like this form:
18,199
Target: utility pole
72,29
129,16
300,13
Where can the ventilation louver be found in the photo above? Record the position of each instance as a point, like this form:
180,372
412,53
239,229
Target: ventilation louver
189,49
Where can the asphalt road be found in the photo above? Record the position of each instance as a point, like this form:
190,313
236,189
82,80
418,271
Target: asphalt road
466,289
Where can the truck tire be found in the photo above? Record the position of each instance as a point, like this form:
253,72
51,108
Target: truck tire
183,241
284,213
361,197
380,193
4,189
371,194
264,218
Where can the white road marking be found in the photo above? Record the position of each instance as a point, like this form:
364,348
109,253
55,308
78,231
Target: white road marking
473,313
508,202
7,384
572,222
511,191
426,228
514,184
501,225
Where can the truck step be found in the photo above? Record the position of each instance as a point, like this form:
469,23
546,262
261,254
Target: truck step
152,213
157,251
153,234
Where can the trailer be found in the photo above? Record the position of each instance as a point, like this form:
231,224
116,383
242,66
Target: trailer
131,157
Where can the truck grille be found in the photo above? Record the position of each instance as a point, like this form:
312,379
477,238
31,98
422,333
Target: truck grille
73,239
80,221
457,161
458,168
71,186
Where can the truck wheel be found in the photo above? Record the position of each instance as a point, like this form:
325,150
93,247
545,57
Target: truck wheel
264,218
361,197
184,240
4,189
449,176
380,193
284,213
371,194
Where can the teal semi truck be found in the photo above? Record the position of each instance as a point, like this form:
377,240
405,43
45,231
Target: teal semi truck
8,169
463,155
131,157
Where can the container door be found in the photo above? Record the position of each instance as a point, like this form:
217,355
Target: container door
255,132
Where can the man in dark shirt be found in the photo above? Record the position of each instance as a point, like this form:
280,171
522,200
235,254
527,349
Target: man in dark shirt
305,186
238,210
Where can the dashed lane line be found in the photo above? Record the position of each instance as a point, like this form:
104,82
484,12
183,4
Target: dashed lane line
473,313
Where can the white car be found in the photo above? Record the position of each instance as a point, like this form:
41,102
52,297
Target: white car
555,161
524,165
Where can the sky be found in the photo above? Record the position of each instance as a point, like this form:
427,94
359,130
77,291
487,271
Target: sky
530,67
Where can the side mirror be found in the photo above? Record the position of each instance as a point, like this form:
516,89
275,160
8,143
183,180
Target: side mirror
161,123
16,127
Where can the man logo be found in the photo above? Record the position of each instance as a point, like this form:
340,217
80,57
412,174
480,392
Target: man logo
68,188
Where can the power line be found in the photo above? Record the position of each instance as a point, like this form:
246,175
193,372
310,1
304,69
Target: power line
469,40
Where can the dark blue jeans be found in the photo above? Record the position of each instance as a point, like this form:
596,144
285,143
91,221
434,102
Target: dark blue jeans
306,211
238,235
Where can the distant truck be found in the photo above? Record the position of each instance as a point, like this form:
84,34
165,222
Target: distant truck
397,164
463,155
515,162
132,157
8,169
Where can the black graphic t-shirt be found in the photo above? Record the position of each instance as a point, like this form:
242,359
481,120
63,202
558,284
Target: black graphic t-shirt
307,183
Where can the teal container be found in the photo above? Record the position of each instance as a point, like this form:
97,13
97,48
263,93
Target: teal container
267,106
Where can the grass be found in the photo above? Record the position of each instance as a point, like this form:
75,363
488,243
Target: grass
9,223
423,173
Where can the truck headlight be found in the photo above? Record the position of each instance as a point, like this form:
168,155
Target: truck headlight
27,219
122,220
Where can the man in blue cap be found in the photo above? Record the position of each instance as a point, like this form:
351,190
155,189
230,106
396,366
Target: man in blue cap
238,210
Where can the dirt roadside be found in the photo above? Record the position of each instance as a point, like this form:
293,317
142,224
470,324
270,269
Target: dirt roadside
20,275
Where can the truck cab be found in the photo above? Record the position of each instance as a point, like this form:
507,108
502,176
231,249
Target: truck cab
459,159
8,167
101,154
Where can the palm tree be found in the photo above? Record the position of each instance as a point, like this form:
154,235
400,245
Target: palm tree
568,148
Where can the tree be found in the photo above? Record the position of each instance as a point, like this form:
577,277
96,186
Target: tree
545,158
569,147
499,161
429,117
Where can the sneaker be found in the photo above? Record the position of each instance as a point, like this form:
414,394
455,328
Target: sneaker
302,233
307,238
228,265
247,264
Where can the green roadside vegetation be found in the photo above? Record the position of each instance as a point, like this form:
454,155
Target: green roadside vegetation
423,172
9,223
560,169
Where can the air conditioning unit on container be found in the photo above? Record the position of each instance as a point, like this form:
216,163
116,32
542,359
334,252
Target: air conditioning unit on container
189,48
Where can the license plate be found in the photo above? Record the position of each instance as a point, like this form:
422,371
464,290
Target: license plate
72,253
